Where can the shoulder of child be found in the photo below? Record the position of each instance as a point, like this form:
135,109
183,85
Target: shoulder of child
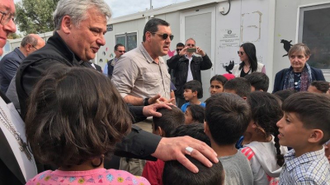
124,177
248,152
41,176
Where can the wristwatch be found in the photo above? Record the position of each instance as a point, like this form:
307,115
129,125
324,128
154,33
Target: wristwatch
146,101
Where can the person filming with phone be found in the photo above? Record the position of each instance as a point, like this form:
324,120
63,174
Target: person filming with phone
188,67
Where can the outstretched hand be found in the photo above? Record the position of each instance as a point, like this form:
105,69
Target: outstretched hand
151,110
175,149
159,99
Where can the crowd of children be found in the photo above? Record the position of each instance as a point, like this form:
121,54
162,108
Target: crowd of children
260,138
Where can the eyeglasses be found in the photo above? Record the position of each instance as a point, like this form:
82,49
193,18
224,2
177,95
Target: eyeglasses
240,52
165,36
6,17
121,51
34,47
178,50
192,45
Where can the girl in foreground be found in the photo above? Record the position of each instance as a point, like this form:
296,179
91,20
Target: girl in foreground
74,120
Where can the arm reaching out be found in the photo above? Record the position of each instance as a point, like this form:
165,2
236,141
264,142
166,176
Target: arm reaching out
176,148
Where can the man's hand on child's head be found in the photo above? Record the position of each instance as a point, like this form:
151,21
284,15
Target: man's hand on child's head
151,110
175,148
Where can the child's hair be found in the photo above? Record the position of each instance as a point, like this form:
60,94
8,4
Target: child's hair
284,94
266,112
195,86
170,119
321,86
258,80
219,78
195,130
197,113
176,173
312,109
240,85
75,114
227,116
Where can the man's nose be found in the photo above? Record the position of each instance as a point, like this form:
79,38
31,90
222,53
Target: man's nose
10,27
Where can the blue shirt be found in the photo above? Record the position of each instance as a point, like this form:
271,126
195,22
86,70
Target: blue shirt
309,168
105,70
184,106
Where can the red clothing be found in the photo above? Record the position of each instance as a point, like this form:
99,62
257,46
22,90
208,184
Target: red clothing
153,172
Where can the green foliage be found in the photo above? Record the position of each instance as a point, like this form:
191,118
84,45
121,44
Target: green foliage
35,16
14,36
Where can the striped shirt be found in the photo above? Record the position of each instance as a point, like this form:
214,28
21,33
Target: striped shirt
309,168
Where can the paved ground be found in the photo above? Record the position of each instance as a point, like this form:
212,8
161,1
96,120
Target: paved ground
146,124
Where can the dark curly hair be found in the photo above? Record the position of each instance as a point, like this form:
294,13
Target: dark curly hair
75,114
266,112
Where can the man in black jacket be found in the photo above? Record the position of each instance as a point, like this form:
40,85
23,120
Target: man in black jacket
119,50
188,67
80,28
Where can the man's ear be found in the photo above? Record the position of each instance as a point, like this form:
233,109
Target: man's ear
148,36
316,136
28,48
66,24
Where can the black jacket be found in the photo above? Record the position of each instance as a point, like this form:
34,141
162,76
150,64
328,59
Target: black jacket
138,143
110,68
180,66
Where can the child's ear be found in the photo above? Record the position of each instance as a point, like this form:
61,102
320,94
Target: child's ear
259,128
161,132
206,129
195,93
253,124
316,136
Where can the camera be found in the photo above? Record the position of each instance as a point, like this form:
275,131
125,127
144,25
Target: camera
191,50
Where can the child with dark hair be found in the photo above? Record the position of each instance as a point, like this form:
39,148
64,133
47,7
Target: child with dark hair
261,146
259,81
226,119
216,84
75,118
163,126
176,173
170,119
194,130
318,87
305,127
194,114
239,86
283,94
193,91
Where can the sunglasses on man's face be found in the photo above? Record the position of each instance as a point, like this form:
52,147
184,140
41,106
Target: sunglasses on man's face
178,50
165,36
192,45
121,51
240,52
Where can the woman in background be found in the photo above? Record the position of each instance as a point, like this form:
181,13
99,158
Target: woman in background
299,75
249,64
